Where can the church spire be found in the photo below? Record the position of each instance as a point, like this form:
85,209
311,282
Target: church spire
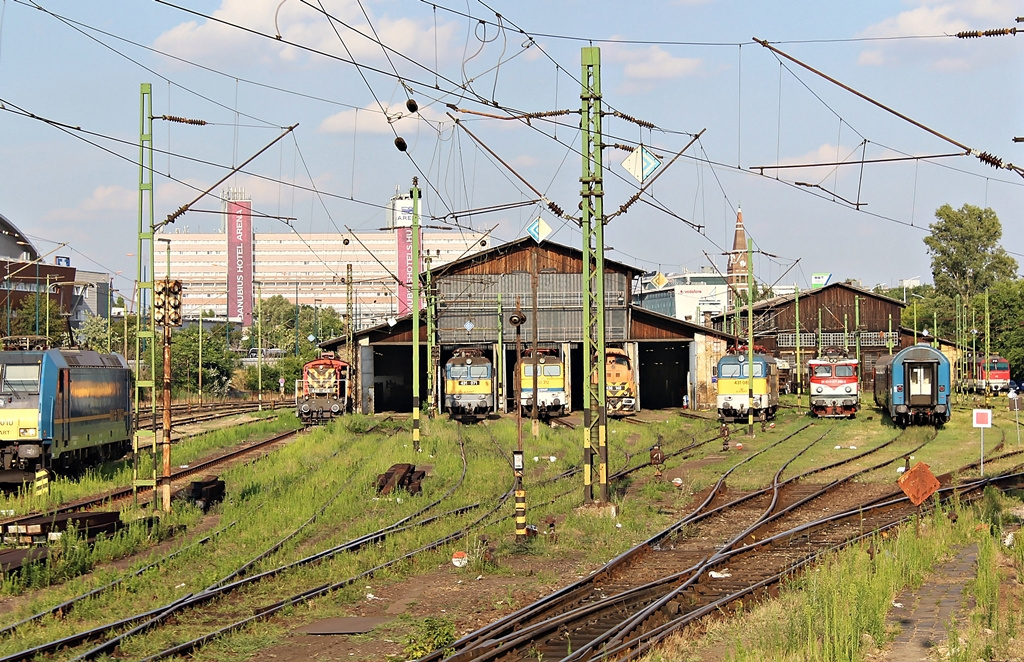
737,273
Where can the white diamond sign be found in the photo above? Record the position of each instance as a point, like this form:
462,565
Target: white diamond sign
468,325
641,163
538,229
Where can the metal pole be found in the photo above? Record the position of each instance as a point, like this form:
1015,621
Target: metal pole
798,371
520,495
296,317
595,411
750,338
165,475
935,329
915,322
259,344
110,293
534,415
846,333
200,355
988,350
856,337
888,340
37,298
819,330
433,357
415,314
352,383
499,363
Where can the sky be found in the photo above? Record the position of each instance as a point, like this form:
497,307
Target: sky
341,72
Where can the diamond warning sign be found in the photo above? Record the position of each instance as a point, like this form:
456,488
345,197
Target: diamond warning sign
919,483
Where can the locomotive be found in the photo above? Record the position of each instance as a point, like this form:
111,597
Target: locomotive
834,389
323,391
551,395
468,385
993,373
62,410
620,383
913,386
733,380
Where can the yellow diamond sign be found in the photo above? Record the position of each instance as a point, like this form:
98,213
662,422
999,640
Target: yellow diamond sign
659,280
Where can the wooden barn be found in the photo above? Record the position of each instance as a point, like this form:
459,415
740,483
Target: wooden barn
840,315
472,299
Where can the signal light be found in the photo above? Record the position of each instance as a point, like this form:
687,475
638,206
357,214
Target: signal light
516,319
167,302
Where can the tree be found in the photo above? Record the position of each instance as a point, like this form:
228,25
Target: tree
966,256
32,311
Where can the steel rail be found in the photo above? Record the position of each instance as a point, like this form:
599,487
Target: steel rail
142,622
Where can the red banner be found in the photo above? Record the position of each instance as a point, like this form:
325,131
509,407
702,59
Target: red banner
239,231
404,236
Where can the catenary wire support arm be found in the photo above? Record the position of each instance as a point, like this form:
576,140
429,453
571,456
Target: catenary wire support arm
555,209
184,208
984,157
650,182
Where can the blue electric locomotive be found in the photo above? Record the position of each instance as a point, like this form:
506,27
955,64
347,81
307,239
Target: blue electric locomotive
913,386
62,410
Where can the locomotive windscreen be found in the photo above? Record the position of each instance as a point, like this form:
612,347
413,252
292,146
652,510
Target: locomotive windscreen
20,378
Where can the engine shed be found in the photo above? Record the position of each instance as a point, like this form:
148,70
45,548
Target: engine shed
472,300
839,315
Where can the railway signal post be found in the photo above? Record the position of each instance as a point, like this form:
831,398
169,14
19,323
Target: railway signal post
167,313
517,319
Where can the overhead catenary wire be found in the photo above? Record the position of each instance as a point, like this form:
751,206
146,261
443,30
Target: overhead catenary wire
984,157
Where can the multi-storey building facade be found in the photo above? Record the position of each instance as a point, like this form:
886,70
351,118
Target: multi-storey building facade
308,268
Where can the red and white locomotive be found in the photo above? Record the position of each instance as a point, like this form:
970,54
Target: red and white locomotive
322,393
834,385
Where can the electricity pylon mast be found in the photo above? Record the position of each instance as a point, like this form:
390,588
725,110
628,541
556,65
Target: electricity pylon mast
145,338
595,410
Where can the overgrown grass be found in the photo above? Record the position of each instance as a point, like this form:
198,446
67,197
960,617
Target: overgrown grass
334,468
119,474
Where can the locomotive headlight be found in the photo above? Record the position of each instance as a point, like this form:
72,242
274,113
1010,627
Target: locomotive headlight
818,389
849,389
27,432
304,409
335,409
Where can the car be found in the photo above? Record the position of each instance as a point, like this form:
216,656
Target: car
1011,386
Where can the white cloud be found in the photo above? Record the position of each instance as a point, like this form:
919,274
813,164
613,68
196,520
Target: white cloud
104,201
652,63
871,58
934,17
296,22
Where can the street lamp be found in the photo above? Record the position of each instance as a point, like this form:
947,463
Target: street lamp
915,315
904,281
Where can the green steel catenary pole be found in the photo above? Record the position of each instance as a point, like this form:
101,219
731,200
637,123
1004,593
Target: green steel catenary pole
592,222
415,314
799,374
750,338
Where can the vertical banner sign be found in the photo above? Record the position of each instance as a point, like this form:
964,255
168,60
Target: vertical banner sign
405,271
239,231
404,274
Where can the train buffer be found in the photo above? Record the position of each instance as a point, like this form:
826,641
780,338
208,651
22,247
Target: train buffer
400,476
204,493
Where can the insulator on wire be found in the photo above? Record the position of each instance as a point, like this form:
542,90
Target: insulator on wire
182,120
990,159
999,32
412,105
400,144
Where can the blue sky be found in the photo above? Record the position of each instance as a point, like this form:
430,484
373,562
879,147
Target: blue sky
683,66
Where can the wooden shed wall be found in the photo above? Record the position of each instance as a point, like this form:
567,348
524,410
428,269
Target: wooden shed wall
834,304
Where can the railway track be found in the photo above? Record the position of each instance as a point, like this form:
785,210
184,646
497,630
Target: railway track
669,577
177,477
